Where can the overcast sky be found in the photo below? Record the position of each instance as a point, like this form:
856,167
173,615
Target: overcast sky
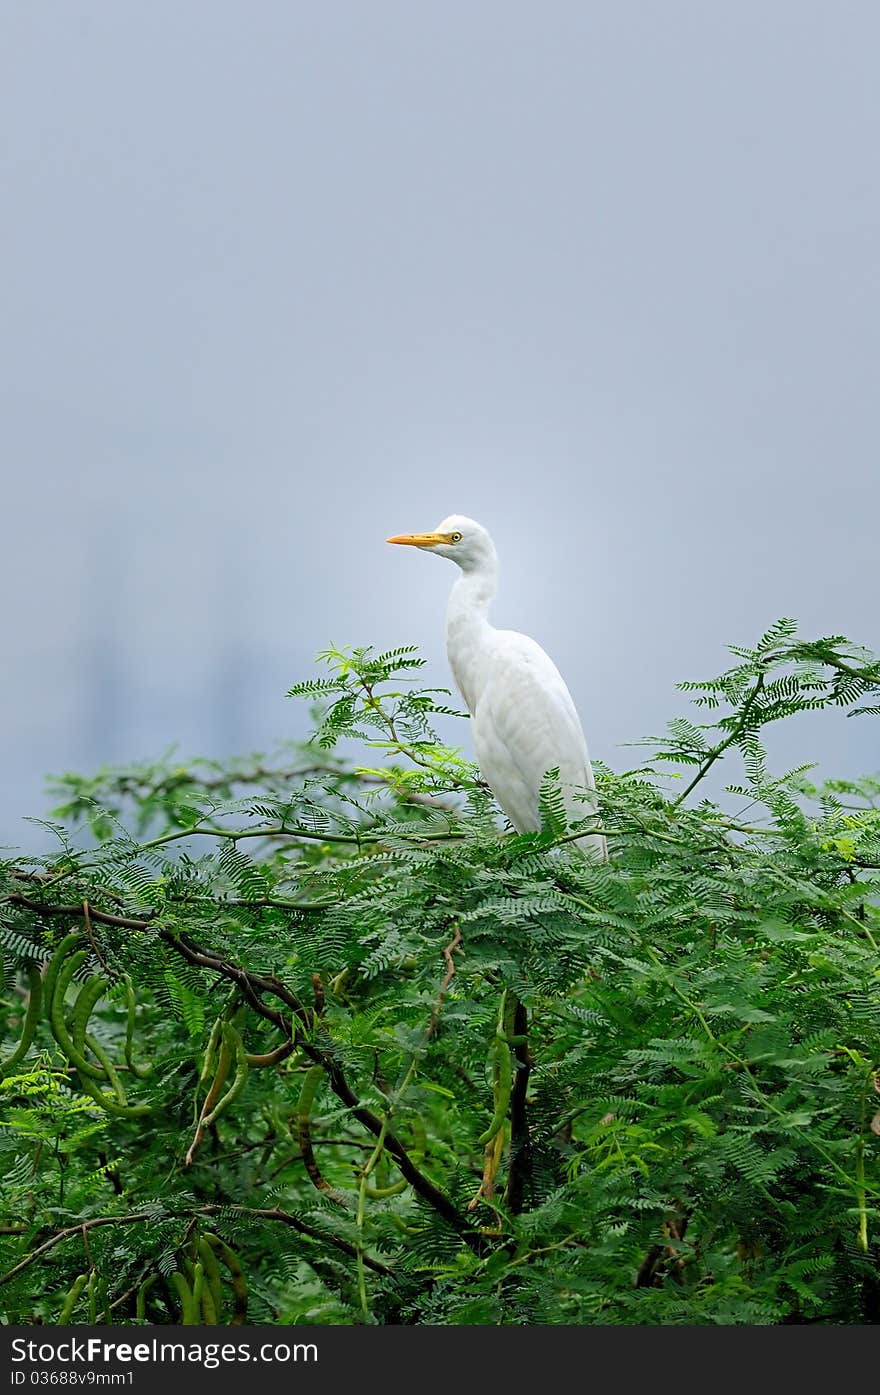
279,279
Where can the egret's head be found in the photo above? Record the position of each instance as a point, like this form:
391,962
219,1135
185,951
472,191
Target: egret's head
458,538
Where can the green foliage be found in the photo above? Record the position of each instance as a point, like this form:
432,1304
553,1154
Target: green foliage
305,1040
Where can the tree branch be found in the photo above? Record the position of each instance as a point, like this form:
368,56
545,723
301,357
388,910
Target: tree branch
142,1217
718,751
520,1174
252,987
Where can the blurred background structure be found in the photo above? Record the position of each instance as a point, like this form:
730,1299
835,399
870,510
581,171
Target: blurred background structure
281,279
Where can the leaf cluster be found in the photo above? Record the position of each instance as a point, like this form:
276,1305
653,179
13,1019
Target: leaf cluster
303,1039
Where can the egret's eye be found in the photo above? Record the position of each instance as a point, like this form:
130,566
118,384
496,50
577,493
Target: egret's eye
456,537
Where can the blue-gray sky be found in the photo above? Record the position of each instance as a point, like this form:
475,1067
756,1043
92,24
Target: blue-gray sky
279,279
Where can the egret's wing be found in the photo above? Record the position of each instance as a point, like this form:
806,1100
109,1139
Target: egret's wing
525,724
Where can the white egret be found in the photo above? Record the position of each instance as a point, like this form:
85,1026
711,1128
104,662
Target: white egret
524,720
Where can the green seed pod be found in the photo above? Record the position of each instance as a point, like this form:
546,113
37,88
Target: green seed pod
236,1277
106,1318
233,1042
72,1299
377,1193
67,945
197,1292
213,1289
131,1010
213,1102
143,1290
56,1017
270,1058
31,1017
303,1115
97,1049
503,1068
311,1083
110,1103
189,1315
224,1062
86,1001
209,1311
211,1050
420,1138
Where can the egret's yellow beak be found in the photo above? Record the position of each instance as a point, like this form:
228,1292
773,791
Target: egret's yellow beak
418,539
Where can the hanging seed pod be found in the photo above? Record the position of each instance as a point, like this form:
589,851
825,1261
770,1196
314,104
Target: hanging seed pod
236,1277
189,1314
86,1001
67,945
72,1299
235,1049
112,1075
502,1062
211,1051
131,1012
378,1193
198,1286
31,1018
111,1103
56,1017
141,1301
213,1290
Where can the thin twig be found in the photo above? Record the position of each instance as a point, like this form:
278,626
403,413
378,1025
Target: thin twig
448,951
81,1226
92,941
718,751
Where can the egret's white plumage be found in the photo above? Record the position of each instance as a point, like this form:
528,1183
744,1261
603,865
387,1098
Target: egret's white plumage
524,720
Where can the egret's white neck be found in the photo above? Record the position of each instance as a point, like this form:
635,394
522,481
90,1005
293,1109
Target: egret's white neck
468,628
